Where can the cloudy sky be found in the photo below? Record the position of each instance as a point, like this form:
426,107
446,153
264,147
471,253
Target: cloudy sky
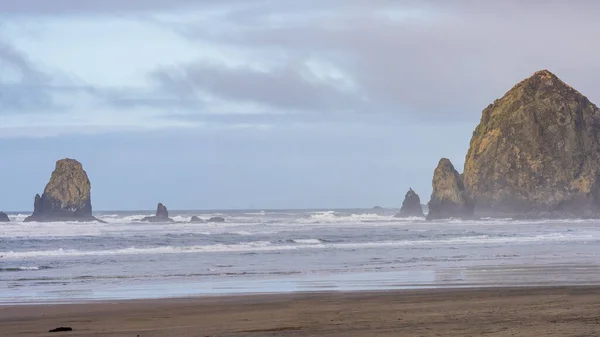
205,104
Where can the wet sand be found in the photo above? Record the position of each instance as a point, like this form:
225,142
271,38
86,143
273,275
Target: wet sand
551,311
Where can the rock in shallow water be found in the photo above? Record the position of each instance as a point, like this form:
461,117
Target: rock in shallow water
411,206
196,219
216,219
162,215
67,196
4,217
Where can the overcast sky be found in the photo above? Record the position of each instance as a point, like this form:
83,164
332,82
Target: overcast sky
205,104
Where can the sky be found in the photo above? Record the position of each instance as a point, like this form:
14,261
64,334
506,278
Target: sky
223,104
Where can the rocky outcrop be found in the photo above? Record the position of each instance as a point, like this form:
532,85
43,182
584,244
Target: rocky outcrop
4,217
536,153
162,215
67,196
411,205
196,219
216,219
449,198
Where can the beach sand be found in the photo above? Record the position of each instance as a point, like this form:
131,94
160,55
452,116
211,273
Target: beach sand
551,311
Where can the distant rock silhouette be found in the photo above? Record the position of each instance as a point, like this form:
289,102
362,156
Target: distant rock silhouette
449,198
162,215
411,205
536,153
67,196
196,219
378,208
4,217
216,219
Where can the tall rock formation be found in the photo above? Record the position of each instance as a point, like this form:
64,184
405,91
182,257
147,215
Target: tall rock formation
67,196
411,206
449,198
162,215
536,153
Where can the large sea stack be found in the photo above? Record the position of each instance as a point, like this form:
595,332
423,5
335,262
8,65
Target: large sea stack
66,196
536,153
411,205
449,198
162,215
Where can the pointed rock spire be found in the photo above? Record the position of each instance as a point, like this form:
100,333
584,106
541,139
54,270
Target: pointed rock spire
411,205
449,198
161,215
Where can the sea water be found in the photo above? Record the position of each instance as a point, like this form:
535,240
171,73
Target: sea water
286,251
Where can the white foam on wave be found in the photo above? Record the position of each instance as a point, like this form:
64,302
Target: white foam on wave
335,217
251,246
409,218
252,225
257,213
308,241
258,246
21,268
124,219
18,217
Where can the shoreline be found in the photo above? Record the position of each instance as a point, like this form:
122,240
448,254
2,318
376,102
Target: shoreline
481,277
415,289
411,290
496,311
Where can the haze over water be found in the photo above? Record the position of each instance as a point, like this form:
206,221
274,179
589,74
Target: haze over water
283,251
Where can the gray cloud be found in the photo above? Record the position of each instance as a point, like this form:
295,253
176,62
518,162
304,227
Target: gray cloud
431,59
26,89
443,59
285,87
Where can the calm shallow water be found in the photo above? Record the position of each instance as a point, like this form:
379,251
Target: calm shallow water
285,251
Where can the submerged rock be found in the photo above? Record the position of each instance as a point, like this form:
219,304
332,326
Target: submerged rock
449,198
411,206
4,217
536,153
196,219
162,215
67,196
216,219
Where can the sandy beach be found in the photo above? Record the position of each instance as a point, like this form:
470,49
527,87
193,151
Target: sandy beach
550,311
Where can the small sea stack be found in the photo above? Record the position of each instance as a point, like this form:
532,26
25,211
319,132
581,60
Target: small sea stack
411,206
216,219
196,219
449,198
4,217
162,215
67,196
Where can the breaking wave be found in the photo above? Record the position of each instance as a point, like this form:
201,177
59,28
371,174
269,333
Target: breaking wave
295,244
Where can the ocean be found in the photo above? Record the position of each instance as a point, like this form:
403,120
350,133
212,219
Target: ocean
286,251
